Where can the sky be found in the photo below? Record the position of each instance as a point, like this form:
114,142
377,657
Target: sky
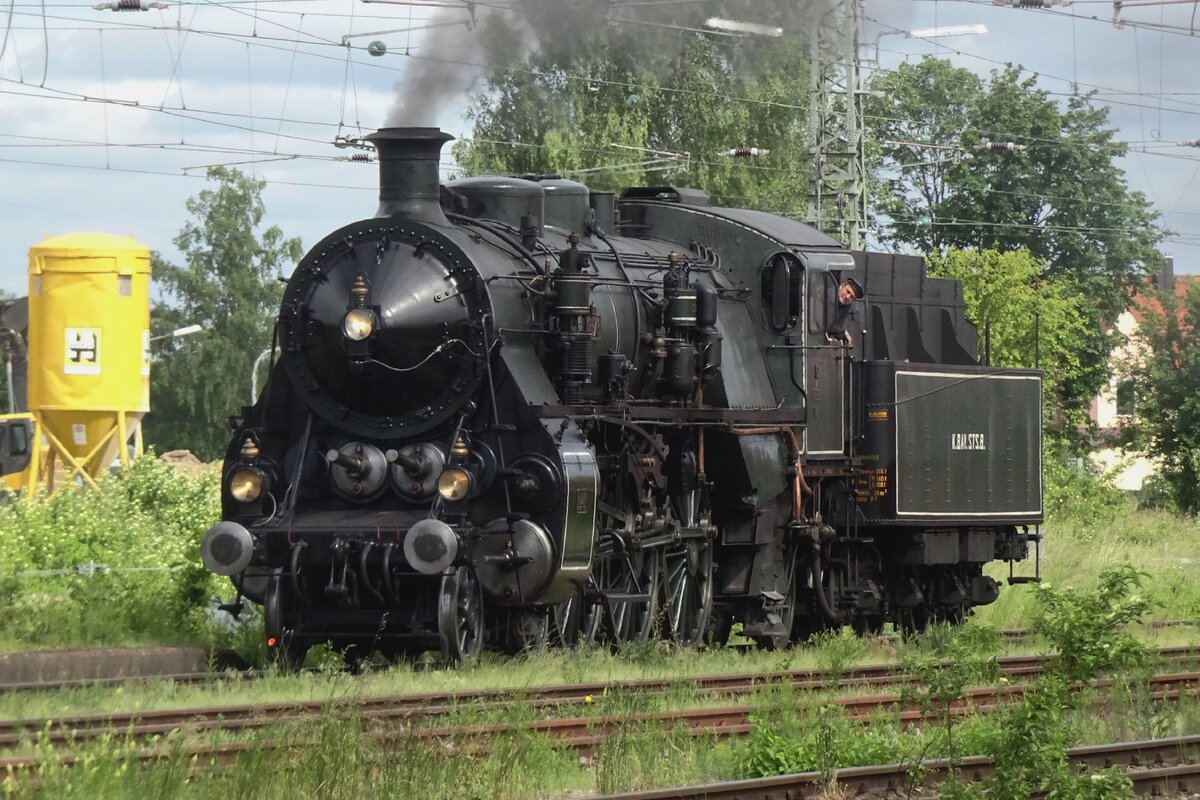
109,119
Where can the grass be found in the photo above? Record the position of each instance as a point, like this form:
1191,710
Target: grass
1074,553
833,653
341,759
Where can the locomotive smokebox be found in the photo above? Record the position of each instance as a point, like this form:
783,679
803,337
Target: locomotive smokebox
408,172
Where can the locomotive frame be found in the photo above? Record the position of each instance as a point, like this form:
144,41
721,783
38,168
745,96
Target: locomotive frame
509,410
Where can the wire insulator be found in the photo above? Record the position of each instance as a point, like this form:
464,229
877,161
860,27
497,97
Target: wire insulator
1000,147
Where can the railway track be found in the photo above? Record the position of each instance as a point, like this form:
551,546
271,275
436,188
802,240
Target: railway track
584,734
213,676
1156,767
422,708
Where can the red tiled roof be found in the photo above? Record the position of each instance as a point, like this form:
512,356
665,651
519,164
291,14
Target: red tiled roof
1147,304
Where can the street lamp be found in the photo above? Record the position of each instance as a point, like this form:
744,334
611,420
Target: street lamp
187,330
940,32
737,26
947,30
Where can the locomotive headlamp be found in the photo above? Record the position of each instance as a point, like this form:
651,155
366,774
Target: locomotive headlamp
245,485
358,324
454,484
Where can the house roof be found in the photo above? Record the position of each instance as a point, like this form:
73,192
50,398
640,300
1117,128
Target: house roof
1148,304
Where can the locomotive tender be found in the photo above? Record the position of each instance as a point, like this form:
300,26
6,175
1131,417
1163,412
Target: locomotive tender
508,409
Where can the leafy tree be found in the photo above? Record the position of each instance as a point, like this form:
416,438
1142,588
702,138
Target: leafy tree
228,284
1168,405
1059,194
1030,320
621,104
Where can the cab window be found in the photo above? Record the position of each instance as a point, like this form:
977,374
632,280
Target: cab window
18,439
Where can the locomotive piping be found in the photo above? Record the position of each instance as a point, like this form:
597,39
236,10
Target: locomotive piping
800,488
819,589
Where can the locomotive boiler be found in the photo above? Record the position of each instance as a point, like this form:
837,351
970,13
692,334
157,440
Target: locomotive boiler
508,410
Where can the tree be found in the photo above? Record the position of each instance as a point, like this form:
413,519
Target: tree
228,284
1031,321
1057,194
1168,405
624,104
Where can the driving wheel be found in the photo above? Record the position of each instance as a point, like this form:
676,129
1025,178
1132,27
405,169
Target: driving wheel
460,616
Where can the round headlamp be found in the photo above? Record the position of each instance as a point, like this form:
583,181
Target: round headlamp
454,484
358,324
245,485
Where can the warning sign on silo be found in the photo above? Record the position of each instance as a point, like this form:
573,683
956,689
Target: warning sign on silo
82,356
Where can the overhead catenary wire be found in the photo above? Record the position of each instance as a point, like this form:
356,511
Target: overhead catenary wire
294,42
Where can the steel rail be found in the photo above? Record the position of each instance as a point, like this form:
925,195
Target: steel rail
413,708
1154,766
582,734
197,678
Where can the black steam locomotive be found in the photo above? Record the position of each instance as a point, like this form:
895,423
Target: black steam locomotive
504,410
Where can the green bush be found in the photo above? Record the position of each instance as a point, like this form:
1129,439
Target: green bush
139,529
1156,494
1074,488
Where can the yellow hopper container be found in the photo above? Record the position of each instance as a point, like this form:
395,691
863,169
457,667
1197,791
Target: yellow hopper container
89,347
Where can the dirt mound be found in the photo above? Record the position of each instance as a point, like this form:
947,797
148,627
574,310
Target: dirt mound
185,463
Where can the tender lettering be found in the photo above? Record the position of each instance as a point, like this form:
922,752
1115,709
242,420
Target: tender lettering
968,441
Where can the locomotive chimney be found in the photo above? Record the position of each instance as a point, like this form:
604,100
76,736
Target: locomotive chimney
408,172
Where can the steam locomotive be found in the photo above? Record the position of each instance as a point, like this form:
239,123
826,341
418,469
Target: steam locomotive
504,411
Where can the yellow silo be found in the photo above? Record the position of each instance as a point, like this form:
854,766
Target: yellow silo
89,343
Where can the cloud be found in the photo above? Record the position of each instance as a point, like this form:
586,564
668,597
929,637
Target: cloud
297,88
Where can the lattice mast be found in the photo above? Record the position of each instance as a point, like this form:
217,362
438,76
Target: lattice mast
837,178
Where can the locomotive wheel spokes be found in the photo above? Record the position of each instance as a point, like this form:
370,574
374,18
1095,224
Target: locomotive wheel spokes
632,575
687,580
528,630
460,616
576,621
688,573
285,648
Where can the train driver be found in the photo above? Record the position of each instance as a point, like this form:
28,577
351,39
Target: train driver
848,291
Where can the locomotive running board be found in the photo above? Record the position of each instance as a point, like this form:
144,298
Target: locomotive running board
735,416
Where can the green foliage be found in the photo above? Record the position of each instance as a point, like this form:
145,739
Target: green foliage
948,659
620,105
1156,494
143,525
335,758
837,651
1031,320
228,284
1168,409
826,740
1087,630
1062,198
1075,488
